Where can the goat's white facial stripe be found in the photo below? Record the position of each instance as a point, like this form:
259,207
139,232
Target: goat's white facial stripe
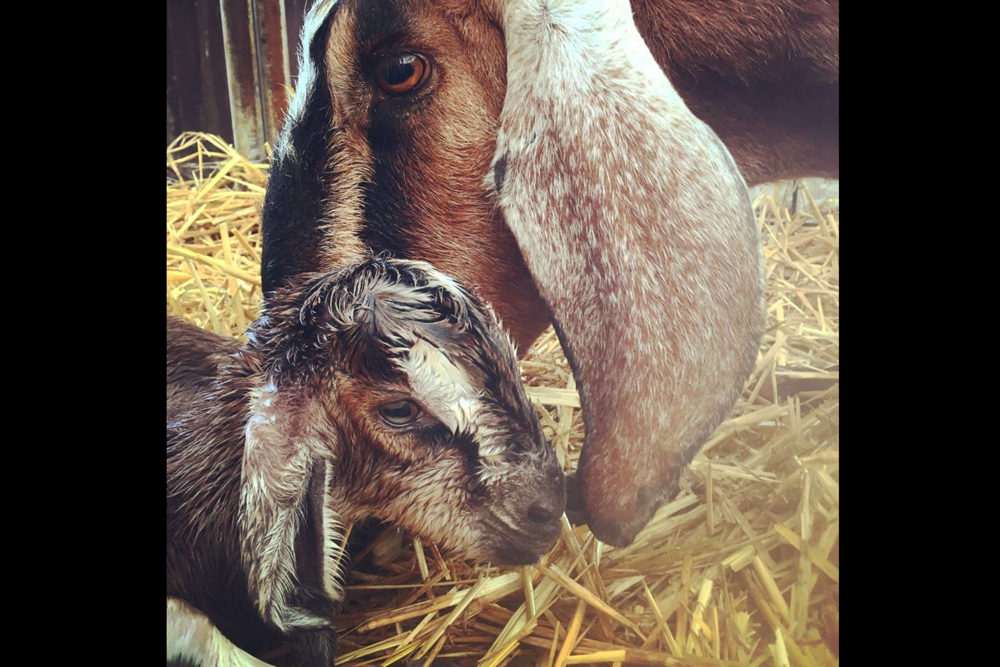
443,387
446,390
314,20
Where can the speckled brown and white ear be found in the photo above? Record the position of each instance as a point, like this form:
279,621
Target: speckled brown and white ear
638,230
286,477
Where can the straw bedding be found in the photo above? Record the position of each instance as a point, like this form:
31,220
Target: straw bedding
741,568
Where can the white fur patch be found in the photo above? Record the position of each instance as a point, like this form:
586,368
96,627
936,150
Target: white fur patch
192,636
446,390
443,387
307,78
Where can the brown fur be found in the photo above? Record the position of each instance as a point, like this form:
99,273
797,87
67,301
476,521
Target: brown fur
763,74
204,558
193,359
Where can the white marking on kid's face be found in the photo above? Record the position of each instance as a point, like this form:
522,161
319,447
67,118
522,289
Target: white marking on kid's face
443,387
446,391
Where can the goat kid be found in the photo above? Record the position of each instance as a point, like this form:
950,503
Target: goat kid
381,390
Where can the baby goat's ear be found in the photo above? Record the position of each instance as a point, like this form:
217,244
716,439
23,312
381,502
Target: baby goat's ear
286,474
638,231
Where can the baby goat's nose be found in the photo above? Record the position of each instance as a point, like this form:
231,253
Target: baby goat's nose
545,511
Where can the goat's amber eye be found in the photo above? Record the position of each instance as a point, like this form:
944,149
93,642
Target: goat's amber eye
399,413
402,74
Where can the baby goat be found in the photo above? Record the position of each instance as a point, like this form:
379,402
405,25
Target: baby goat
381,390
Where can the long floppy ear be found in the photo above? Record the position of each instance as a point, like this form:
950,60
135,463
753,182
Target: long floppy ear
638,230
294,219
290,536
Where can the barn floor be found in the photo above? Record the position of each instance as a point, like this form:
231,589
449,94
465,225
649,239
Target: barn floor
741,568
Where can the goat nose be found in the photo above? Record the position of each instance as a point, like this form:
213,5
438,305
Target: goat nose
544,511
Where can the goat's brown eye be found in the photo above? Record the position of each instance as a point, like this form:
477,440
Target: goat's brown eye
399,413
401,74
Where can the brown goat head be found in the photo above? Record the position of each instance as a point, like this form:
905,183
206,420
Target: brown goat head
635,239
383,389
408,388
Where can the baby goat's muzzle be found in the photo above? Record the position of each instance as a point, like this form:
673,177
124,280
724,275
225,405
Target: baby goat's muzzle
528,517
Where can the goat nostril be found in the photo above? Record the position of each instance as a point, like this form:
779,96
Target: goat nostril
543,513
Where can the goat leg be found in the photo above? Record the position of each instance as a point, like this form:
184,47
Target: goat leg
194,641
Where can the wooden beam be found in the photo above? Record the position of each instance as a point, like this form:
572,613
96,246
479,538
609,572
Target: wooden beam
197,94
257,70
242,75
272,56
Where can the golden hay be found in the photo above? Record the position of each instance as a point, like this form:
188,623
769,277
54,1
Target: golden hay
741,568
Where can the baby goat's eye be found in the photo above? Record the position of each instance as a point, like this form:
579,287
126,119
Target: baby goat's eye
399,413
403,73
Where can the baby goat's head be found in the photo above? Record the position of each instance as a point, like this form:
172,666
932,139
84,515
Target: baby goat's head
409,388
